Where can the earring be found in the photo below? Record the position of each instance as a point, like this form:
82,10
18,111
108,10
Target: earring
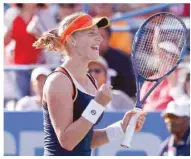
73,44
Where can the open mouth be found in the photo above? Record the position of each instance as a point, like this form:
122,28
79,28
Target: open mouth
95,48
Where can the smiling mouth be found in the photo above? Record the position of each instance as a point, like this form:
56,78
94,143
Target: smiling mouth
95,48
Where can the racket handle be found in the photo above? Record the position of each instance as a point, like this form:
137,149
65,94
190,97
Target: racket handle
131,128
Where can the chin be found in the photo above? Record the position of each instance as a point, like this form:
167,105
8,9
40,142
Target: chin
94,56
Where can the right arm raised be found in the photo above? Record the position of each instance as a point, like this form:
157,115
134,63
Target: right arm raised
58,94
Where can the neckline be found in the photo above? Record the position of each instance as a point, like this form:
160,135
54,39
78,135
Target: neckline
78,85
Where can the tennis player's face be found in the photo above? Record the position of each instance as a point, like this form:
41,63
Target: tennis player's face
88,43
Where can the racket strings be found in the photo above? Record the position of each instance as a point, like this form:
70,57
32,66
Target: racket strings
159,46
145,55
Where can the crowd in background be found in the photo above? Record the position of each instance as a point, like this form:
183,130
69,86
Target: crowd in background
26,22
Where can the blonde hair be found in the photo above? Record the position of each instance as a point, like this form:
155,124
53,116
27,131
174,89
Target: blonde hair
50,40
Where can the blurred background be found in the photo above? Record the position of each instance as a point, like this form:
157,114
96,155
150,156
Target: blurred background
25,70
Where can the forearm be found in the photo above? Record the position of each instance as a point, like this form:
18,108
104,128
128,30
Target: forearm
75,132
110,133
99,138
7,38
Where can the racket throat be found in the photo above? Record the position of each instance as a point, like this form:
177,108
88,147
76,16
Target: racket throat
139,83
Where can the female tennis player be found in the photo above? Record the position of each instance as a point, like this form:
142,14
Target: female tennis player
72,105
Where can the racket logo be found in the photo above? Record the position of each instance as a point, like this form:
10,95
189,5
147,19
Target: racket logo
93,112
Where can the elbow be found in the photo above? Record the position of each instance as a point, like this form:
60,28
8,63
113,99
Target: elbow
67,147
66,143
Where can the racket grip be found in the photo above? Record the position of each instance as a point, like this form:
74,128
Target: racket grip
131,129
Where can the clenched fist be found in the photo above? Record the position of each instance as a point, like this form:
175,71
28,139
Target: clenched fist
104,95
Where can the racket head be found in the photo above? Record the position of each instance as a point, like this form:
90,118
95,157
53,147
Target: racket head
178,32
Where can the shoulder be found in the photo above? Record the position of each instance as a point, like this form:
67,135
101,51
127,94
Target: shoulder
57,79
57,84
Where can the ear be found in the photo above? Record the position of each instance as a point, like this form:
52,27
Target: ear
71,40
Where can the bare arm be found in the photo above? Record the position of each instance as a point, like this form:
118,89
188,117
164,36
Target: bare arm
7,37
58,94
99,138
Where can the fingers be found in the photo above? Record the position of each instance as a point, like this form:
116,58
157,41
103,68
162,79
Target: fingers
105,87
140,122
127,117
139,119
139,126
104,95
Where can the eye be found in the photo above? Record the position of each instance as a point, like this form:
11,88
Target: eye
91,33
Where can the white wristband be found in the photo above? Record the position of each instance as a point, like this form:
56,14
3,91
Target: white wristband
93,111
115,131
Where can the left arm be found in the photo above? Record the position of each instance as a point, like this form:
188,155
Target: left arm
99,138
115,130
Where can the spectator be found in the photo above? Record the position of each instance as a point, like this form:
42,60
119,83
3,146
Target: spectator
121,63
34,103
181,92
43,21
182,10
24,53
160,96
177,119
120,101
64,9
10,14
119,40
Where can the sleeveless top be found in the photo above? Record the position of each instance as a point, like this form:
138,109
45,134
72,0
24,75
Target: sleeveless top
52,146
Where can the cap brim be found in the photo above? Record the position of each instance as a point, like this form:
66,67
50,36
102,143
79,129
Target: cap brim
173,113
101,22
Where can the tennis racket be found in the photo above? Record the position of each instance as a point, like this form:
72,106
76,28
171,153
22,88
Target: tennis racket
158,47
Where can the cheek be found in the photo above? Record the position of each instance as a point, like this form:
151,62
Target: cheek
84,48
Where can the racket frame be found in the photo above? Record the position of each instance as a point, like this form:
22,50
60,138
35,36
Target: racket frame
140,79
